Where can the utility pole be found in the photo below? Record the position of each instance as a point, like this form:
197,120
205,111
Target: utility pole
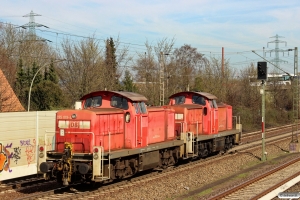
294,147
222,62
161,80
146,72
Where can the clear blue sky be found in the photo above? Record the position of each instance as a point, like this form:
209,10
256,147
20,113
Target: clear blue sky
237,25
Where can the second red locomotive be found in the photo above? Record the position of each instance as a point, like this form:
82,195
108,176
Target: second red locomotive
114,135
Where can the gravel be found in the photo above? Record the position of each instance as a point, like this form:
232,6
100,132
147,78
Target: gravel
196,181
188,181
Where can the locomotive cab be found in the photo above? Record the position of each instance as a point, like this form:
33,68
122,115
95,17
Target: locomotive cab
99,123
196,112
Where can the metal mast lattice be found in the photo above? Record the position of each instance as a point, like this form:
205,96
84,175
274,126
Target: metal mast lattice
31,25
277,60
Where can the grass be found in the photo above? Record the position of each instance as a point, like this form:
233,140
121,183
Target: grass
205,192
243,175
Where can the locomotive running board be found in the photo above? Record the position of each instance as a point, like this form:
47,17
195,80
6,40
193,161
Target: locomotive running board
220,134
149,148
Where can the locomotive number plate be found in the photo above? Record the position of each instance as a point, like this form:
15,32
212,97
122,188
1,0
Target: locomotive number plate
74,124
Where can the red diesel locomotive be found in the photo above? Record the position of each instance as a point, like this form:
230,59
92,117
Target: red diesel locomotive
114,135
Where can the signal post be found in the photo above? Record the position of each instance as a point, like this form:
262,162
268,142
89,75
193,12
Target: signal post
262,75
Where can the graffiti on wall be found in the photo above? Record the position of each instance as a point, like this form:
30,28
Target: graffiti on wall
4,158
17,153
30,151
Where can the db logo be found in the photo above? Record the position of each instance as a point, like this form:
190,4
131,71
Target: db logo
74,124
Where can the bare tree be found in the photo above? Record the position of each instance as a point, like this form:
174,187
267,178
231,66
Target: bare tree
81,73
19,44
186,64
147,68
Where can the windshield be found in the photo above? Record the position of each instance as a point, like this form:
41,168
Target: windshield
179,99
198,100
93,102
119,102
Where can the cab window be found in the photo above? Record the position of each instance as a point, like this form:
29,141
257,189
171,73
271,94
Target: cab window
143,107
213,104
179,99
119,102
140,107
136,107
198,100
93,102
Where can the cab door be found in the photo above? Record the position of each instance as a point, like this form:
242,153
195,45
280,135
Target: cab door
214,123
141,124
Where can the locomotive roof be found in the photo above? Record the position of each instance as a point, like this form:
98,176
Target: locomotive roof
205,94
189,106
130,95
107,110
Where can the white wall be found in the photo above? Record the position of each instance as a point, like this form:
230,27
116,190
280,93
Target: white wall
20,135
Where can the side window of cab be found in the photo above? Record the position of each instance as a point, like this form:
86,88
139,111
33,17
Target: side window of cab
140,107
213,103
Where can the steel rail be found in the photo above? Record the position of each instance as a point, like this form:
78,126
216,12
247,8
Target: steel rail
251,181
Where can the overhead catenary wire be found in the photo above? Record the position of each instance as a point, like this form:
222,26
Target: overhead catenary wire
134,49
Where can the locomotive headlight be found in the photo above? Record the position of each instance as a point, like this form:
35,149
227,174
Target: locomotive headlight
95,156
85,124
62,132
73,116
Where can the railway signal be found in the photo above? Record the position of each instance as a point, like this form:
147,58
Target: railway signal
262,71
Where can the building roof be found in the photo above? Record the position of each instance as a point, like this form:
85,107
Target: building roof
9,102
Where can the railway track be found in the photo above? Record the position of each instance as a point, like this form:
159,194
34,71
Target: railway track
272,132
21,182
263,184
79,191
84,190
